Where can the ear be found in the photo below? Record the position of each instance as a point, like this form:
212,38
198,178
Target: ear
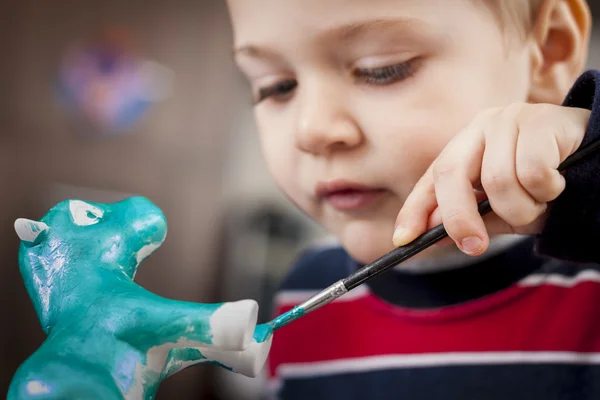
560,36
30,231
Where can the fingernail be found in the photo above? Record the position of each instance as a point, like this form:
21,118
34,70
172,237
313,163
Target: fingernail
397,238
471,244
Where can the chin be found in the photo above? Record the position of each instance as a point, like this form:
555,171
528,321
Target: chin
366,242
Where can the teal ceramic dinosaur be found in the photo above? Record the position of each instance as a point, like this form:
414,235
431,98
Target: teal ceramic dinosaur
109,338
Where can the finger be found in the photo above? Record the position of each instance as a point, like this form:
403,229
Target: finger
454,172
414,215
568,128
497,226
537,157
509,200
435,219
544,143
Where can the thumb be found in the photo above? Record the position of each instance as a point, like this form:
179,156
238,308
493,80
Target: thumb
435,219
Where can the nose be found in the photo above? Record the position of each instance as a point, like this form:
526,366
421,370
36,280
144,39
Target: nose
150,221
324,121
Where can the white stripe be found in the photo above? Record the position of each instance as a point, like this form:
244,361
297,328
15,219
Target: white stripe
561,280
287,297
363,364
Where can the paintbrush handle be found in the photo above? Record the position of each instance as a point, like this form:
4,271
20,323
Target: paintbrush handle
395,257
438,233
403,253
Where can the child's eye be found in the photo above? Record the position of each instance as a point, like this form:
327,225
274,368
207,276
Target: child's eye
386,75
280,91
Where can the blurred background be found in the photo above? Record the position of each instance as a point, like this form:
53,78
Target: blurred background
101,100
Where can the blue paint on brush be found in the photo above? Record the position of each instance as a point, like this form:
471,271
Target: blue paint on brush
287,317
263,331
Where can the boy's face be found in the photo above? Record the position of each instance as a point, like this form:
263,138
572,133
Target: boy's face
355,98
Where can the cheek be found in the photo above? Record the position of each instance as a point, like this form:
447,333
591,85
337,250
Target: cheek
405,132
281,155
278,157
476,75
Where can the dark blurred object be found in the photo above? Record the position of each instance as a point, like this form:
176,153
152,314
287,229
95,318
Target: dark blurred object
258,248
282,236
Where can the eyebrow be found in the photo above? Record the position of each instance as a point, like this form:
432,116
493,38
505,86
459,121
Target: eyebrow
354,31
345,33
251,51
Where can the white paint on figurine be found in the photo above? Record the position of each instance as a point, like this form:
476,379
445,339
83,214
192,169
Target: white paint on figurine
145,251
28,230
232,325
84,214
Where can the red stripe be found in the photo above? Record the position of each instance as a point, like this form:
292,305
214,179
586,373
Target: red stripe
545,318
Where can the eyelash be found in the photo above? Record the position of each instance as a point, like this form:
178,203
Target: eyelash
279,91
386,75
381,76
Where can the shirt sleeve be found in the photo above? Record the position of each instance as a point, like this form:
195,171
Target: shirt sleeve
572,231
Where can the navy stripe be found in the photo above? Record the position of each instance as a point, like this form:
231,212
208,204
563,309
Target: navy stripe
513,382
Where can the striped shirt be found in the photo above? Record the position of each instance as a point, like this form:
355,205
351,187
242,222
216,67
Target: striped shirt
538,338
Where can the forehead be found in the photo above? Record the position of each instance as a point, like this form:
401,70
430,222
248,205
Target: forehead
276,21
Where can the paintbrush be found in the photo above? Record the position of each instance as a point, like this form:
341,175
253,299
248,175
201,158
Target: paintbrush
396,256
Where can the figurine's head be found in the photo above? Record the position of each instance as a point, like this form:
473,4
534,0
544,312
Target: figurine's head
82,240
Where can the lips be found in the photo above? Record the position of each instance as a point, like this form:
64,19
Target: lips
345,196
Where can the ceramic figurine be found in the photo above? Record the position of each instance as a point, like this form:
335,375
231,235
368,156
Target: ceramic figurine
109,338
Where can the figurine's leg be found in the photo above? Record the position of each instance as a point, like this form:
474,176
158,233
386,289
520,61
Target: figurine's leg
247,362
154,321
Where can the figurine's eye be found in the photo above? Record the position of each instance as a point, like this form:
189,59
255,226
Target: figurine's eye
84,214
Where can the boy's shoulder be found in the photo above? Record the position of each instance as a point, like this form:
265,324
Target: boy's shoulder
318,266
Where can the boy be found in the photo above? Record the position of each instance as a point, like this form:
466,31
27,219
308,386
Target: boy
367,108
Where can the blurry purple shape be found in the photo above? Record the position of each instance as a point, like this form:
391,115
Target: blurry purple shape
111,88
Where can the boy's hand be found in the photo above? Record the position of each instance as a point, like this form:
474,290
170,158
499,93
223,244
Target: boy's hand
512,155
